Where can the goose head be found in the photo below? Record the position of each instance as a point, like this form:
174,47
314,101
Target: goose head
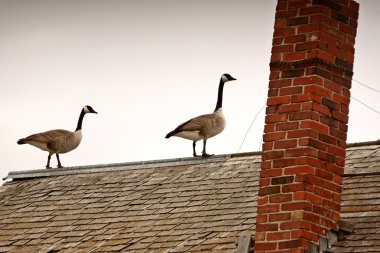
227,77
88,109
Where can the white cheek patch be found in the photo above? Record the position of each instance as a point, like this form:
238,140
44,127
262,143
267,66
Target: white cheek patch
86,110
224,78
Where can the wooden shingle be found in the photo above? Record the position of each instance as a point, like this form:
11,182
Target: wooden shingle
188,205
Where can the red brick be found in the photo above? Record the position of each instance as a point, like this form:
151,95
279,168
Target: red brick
275,154
264,246
326,175
308,28
283,163
269,208
317,144
266,227
267,146
278,100
323,193
294,56
278,236
279,23
289,225
297,152
281,6
284,32
285,144
280,198
300,98
274,75
326,56
283,48
299,170
295,38
296,206
307,116
303,133
315,125
282,180
332,86
262,201
289,108
319,90
274,118
279,216
280,83
339,116
290,91
310,236
274,136
347,29
264,182
297,21
337,151
308,80
326,157
270,173
269,128
268,190
293,187
283,126
292,73
297,4
307,46
334,169
273,92
321,109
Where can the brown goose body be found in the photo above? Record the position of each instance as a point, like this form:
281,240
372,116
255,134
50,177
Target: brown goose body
58,141
204,126
54,141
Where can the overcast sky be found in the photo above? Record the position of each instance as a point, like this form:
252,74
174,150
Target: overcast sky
147,66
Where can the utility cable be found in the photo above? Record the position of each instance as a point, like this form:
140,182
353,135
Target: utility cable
367,86
369,107
249,128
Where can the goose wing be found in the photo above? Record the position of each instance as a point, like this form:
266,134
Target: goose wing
199,124
46,137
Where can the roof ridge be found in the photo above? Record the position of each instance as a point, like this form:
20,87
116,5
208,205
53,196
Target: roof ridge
24,174
364,143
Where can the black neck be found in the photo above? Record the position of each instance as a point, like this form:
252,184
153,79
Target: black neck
80,120
219,103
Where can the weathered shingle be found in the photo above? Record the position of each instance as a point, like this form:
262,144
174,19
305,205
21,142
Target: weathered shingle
193,205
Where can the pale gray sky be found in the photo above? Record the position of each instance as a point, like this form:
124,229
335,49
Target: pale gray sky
146,66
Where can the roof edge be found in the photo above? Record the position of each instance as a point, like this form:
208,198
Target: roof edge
141,164
26,174
364,143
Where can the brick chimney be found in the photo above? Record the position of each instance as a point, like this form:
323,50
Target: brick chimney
306,124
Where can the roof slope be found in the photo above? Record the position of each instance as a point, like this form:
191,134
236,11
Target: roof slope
187,205
361,200
174,208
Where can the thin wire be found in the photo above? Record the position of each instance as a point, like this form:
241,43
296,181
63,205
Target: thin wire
369,87
249,128
369,107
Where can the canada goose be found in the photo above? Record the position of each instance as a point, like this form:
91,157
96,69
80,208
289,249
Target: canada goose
204,126
58,141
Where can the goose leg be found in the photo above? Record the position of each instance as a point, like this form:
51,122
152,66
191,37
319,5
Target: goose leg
59,162
194,152
48,162
204,153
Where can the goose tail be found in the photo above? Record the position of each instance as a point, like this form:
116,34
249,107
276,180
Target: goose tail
21,141
170,134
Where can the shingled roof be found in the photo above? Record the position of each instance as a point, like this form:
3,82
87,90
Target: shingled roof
177,205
